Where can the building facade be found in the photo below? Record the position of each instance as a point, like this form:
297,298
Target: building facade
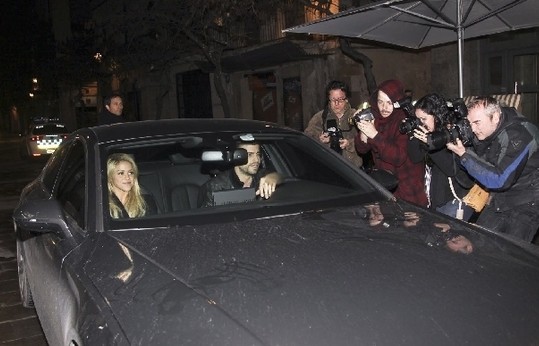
282,78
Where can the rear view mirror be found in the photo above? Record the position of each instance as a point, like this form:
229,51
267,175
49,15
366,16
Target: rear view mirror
235,157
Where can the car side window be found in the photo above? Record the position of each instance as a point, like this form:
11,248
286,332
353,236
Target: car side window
71,185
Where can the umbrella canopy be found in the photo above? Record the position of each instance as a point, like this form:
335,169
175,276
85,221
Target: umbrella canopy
422,23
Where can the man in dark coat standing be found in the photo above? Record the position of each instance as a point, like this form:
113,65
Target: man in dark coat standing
112,113
504,160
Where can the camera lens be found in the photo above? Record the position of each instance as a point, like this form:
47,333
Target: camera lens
438,139
408,125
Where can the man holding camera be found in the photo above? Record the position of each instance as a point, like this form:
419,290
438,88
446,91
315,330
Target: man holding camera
389,147
331,125
504,159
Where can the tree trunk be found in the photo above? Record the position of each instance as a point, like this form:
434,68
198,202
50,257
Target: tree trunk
221,92
363,60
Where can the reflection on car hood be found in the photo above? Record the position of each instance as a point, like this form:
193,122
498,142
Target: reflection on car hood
333,277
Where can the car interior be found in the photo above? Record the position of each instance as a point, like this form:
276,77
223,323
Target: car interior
172,173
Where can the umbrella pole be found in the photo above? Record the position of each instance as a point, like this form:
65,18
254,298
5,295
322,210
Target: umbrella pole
460,38
461,87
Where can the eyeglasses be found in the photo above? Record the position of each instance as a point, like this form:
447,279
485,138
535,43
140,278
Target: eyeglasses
338,101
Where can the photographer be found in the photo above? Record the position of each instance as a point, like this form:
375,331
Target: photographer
388,146
331,126
504,159
445,182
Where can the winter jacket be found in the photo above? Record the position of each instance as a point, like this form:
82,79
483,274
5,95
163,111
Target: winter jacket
107,118
444,164
317,125
226,180
389,148
507,162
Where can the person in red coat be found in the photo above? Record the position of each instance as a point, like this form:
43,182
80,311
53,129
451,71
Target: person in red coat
388,146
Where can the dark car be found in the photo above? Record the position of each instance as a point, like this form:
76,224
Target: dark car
43,137
331,258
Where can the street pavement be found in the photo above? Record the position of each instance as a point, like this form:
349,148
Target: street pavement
18,325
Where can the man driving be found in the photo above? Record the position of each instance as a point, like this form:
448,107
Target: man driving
248,175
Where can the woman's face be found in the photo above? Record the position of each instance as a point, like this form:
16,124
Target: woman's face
385,105
426,119
123,177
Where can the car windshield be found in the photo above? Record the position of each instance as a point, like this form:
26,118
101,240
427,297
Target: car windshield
172,176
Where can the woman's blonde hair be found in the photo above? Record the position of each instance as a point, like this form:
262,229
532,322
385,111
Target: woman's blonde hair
134,205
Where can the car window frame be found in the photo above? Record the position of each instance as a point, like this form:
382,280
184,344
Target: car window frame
53,167
64,186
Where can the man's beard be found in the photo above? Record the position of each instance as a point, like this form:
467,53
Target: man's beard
250,169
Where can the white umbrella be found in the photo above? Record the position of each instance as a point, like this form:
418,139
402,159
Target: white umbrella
422,23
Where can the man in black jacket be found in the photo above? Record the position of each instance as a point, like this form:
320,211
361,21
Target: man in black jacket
244,176
112,113
505,161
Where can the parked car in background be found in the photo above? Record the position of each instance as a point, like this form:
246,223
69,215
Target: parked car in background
331,258
43,137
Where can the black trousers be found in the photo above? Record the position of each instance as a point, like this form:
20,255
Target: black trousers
521,222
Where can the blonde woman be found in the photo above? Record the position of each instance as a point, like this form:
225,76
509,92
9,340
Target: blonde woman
125,198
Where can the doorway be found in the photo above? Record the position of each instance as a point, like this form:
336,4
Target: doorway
193,94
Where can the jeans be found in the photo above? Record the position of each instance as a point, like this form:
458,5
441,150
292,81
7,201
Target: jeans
450,209
520,222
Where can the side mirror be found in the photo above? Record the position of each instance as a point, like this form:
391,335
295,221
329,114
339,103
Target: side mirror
42,216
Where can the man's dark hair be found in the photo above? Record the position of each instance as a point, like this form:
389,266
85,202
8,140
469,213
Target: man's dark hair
338,85
107,99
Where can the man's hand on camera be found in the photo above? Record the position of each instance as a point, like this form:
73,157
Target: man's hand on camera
343,143
458,148
324,137
367,127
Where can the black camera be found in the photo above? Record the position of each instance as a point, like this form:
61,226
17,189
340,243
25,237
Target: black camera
335,135
456,126
363,114
408,125
406,105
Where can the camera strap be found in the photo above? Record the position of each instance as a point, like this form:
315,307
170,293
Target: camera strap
324,122
324,118
460,211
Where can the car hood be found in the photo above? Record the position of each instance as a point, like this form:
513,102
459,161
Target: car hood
377,274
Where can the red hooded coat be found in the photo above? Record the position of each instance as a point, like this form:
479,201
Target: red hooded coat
389,147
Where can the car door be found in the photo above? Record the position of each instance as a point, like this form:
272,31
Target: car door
56,295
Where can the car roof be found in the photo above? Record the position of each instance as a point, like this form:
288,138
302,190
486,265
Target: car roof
151,128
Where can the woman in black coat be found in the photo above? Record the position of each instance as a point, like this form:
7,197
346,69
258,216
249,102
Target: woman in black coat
446,182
